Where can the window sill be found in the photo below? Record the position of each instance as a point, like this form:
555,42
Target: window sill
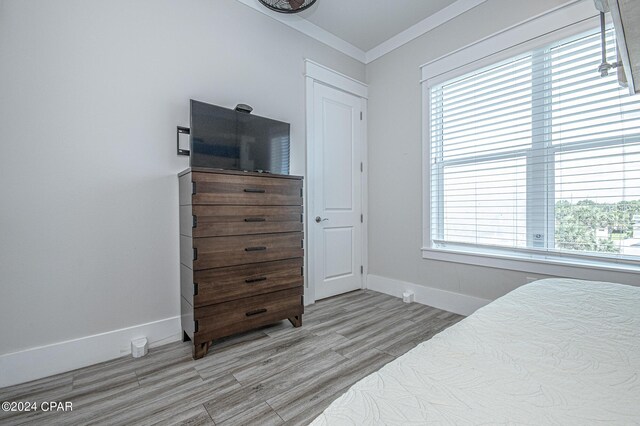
533,263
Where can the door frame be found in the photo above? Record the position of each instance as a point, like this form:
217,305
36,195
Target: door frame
317,73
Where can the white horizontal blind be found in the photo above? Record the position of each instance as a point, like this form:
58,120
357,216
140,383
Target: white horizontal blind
538,153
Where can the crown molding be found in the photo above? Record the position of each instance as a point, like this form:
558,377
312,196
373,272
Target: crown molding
422,27
306,27
310,29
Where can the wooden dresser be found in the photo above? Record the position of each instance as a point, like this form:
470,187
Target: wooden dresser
241,253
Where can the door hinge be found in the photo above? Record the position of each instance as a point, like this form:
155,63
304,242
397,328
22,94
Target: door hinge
195,254
195,221
361,218
193,188
195,289
195,326
361,269
360,115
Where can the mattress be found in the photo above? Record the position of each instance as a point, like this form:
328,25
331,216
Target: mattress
555,351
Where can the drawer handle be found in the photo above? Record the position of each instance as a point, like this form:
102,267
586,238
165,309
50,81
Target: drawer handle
255,190
255,280
255,248
256,312
255,219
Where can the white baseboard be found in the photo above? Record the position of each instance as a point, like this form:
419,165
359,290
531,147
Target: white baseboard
36,363
453,302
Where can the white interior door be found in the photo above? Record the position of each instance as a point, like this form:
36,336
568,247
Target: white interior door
335,215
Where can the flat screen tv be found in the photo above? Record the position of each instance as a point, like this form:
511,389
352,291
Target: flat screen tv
223,138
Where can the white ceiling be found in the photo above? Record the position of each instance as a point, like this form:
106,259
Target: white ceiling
369,29
367,23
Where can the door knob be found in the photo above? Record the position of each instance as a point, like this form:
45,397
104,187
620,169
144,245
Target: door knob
319,219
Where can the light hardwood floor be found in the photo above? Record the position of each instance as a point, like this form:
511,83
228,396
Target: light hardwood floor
276,375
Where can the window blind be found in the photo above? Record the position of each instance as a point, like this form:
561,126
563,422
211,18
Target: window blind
538,153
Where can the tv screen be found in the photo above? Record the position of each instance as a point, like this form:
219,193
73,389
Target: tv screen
223,138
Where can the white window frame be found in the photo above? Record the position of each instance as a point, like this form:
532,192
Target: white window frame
561,23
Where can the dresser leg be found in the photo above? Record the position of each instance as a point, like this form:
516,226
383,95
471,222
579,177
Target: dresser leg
200,350
296,321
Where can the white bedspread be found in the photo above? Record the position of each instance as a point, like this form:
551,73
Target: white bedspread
555,351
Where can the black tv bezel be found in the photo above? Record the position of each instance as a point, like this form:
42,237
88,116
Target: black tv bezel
191,152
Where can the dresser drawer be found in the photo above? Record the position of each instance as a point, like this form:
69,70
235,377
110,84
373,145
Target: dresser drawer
217,221
224,284
212,188
217,252
223,319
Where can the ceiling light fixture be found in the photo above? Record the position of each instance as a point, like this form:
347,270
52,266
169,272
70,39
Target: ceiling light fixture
288,6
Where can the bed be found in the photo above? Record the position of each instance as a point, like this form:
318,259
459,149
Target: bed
556,351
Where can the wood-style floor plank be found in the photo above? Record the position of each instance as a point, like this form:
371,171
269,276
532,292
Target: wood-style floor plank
334,382
252,395
271,376
196,416
261,414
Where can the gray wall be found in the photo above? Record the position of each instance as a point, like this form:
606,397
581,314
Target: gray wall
395,150
90,94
